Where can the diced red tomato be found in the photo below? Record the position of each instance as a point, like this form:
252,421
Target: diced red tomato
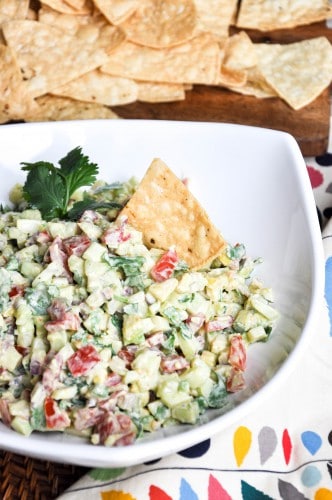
52,372
195,322
113,379
59,257
164,267
89,216
155,339
61,319
235,381
16,291
87,417
128,353
22,350
219,323
118,425
83,360
4,412
237,353
173,363
43,237
56,419
114,236
76,245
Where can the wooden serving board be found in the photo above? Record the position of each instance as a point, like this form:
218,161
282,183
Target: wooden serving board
310,125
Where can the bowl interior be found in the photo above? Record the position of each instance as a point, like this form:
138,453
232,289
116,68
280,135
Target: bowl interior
254,185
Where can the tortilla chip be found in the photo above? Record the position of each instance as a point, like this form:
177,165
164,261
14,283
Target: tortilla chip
54,108
13,9
298,72
167,214
67,22
215,16
79,5
196,61
101,88
117,11
254,88
238,55
49,57
32,15
266,15
162,23
160,92
240,52
66,7
15,103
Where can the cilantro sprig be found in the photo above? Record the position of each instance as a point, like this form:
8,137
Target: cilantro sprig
49,188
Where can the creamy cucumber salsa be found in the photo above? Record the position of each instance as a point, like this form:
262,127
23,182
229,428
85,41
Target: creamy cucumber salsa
105,338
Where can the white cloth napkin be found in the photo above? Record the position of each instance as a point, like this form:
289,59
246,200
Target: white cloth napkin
282,450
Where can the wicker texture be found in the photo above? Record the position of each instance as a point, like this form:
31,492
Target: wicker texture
23,478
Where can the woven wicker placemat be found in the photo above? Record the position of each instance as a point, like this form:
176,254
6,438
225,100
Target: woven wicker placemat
24,478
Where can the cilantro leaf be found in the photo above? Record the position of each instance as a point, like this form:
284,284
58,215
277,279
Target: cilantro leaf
77,170
44,189
49,188
90,204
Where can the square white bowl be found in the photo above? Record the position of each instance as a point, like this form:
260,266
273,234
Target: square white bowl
253,183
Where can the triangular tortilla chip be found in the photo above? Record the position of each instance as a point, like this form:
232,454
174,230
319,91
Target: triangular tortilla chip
266,15
99,87
14,100
196,61
298,72
167,214
49,57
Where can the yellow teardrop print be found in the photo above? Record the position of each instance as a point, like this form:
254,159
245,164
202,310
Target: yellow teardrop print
116,495
241,443
323,494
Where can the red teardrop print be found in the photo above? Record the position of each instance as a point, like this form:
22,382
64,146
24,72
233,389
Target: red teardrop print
156,493
216,491
286,445
316,177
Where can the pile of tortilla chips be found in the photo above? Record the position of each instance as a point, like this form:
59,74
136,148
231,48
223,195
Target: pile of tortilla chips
70,59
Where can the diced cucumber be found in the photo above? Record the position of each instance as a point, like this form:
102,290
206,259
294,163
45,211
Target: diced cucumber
95,252
146,364
186,412
65,392
169,393
30,269
258,303
192,282
197,374
91,230
21,425
256,334
188,345
205,388
20,408
76,266
210,358
62,229
248,319
28,226
134,328
161,291
10,358
160,324
57,340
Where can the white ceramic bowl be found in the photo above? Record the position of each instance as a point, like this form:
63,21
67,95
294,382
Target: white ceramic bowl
254,184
